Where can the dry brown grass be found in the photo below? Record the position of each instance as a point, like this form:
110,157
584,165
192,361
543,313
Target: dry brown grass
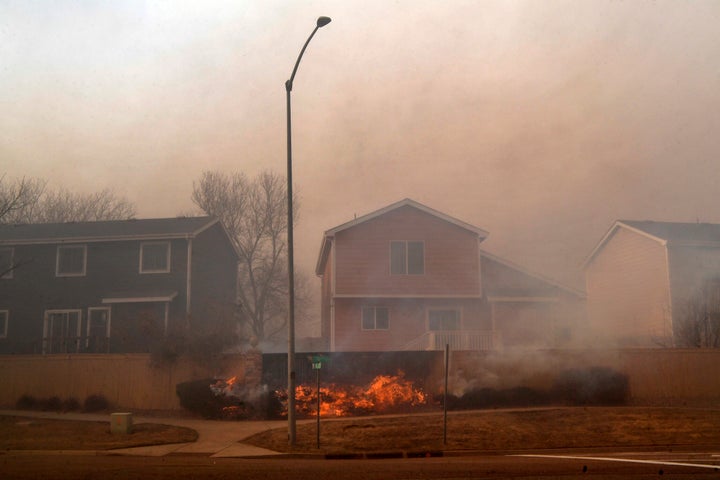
18,433
507,430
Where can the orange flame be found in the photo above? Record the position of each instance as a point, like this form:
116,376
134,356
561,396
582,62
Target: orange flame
384,394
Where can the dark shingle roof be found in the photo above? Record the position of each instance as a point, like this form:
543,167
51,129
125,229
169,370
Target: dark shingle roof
678,232
105,230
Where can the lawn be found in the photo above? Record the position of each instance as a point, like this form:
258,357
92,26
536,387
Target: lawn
19,433
506,430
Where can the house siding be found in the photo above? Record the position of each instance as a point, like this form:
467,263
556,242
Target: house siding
690,268
363,257
629,296
113,270
213,279
408,319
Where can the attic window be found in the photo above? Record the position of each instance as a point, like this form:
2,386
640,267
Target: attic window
70,261
155,257
407,258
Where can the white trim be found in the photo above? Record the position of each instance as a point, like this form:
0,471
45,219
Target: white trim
57,261
157,298
89,317
9,274
4,330
500,299
402,203
168,258
46,330
615,226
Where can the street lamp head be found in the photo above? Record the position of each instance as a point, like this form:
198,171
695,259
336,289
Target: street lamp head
322,21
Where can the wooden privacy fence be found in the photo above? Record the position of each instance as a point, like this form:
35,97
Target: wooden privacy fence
128,381
656,376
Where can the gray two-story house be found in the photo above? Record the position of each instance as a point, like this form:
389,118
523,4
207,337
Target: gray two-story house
112,286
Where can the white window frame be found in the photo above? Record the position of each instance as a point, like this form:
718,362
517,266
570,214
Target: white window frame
4,315
71,274
168,259
9,274
109,319
375,309
407,257
46,328
458,311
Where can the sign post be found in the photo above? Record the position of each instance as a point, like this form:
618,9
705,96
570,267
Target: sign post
317,361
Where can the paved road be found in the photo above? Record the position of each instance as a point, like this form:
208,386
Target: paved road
218,454
72,467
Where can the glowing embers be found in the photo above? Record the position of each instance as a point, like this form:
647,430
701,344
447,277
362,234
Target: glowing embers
385,394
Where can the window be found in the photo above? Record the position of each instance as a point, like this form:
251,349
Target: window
98,330
6,263
3,323
71,261
407,258
442,320
375,318
155,257
61,332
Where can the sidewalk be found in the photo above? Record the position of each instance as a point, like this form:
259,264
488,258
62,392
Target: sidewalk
215,438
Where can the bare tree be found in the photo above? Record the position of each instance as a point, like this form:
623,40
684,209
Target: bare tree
62,205
254,211
17,196
27,200
699,325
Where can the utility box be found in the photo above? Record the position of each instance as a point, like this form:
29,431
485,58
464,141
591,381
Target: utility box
121,423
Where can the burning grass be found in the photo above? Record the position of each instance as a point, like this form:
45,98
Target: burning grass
576,427
19,433
384,394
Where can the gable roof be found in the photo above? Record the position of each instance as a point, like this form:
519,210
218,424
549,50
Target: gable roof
143,229
665,233
407,202
538,277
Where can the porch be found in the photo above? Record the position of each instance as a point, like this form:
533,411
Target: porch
479,340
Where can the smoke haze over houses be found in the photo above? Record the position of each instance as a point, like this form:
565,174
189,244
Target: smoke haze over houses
540,122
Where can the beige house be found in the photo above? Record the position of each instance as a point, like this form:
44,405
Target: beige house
640,276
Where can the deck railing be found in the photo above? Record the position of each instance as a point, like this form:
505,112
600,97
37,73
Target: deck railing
457,340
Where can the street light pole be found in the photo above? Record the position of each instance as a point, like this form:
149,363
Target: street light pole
321,22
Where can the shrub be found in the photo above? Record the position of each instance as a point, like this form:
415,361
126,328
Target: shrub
215,399
26,402
592,386
52,404
70,405
95,403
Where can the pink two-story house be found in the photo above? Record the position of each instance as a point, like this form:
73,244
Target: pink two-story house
407,277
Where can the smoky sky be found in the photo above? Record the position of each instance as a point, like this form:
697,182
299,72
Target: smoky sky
540,122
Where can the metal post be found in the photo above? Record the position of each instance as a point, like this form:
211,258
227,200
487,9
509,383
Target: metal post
321,22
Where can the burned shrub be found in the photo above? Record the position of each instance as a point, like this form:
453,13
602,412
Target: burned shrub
51,404
70,405
494,398
591,386
96,403
222,399
26,402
